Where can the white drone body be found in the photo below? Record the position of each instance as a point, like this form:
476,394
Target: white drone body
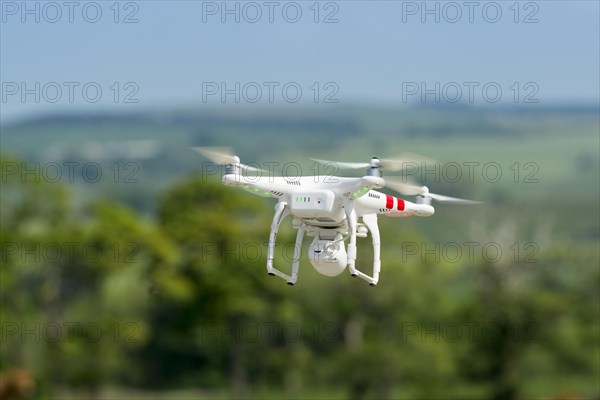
330,209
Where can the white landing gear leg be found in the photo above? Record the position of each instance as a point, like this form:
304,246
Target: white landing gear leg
370,221
351,217
297,252
281,211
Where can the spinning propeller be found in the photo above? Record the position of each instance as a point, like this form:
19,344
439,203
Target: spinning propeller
410,188
392,164
224,155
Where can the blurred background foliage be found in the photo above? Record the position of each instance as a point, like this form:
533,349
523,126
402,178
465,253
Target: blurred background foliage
155,273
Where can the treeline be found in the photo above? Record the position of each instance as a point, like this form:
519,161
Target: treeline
99,296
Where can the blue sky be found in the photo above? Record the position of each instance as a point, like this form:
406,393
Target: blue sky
373,51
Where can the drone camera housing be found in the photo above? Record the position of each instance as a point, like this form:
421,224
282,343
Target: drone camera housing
327,253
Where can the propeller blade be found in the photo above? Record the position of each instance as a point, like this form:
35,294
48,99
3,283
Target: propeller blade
452,200
393,164
224,155
343,165
408,187
403,161
404,185
218,155
250,168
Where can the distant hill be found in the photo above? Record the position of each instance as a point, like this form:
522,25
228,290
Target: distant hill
561,140
539,153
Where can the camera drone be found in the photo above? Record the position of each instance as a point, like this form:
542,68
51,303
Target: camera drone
332,209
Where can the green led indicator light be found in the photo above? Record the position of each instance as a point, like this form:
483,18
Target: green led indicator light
360,192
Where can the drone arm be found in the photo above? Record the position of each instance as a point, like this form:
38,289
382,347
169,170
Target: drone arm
364,185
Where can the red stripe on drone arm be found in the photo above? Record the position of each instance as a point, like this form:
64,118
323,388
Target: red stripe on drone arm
389,201
400,206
